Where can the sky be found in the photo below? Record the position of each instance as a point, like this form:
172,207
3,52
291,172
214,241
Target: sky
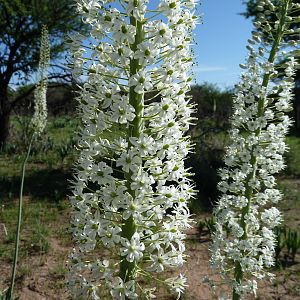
221,42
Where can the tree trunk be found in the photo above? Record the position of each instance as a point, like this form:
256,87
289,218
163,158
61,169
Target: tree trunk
5,111
4,127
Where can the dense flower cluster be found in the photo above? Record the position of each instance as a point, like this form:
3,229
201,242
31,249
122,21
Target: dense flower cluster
38,121
131,187
243,245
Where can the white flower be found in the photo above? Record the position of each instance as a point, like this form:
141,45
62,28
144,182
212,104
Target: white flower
110,94
129,161
135,208
88,6
283,104
141,82
121,54
170,7
177,284
122,112
190,3
162,34
271,217
137,8
101,269
146,53
121,290
125,33
145,144
158,261
101,173
142,182
133,249
169,73
110,236
114,195
109,19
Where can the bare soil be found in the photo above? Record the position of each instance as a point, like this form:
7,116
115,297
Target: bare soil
45,279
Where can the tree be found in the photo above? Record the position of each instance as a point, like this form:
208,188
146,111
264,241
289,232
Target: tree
20,29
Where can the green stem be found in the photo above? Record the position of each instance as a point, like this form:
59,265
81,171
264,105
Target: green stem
238,273
128,269
10,291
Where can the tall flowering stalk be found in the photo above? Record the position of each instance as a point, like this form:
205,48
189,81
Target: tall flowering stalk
39,119
243,245
130,192
38,123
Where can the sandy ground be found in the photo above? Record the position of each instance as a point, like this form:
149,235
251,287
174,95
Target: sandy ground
44,282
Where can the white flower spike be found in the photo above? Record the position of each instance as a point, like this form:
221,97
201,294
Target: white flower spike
243,244
39,119
130,191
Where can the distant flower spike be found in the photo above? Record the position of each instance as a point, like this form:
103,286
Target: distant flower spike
243,245
130,193
39,118
37,125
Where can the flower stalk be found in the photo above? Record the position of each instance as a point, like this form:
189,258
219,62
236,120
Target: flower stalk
10,291
125,185
244,244
39,119
260,112
38,123
135,129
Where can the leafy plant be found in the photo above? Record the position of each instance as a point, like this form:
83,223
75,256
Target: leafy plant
287,243
280,233
38,241
292,243
209,224
59,123
3,295
65,149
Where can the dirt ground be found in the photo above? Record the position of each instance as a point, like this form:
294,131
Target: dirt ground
45,280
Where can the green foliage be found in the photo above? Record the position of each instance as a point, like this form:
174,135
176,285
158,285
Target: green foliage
208,225
292,157
46,177
280,241
214,108
59,270
3,295
65,149
59,131
287,242
38,242
35,228
292,243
